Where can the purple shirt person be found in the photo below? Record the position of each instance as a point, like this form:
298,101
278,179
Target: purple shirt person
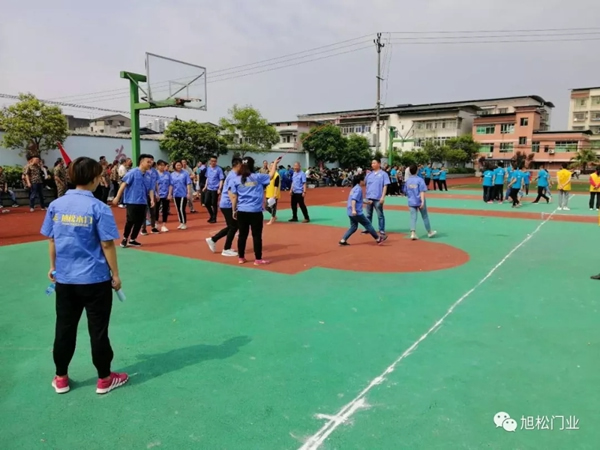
377,182
415,189
355,214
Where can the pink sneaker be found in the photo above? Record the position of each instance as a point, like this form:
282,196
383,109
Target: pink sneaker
242,261
116,380
260,262
61,385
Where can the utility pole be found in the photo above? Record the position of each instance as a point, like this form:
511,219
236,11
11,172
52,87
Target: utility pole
378,47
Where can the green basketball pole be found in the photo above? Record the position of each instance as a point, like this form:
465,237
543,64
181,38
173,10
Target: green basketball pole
391,146
136,107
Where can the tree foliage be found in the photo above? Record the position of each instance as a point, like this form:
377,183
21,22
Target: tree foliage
436,153
31,125
465,143
456,156
522,159
247,124
325,142
192,141
356,153
584,157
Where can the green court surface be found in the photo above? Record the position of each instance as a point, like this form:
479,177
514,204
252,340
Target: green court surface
223,357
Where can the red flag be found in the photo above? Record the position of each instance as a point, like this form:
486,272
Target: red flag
63,153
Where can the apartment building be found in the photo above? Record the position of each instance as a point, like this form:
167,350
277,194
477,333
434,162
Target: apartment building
112,124
501,135
584,113
290,134
413,125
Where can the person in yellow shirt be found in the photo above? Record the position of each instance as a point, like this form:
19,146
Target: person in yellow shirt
595,189
273,193
564,187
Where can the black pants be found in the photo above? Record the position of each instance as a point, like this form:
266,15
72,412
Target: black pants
488,193
526,189
298,200
136,218
71,300
540,194
514,195
211,201
597,196
229,230
180,204
163,204
427,181
37,190
247,220
443,185
499,192
101,193
435,184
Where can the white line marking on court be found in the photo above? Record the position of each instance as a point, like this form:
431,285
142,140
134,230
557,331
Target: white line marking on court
316,440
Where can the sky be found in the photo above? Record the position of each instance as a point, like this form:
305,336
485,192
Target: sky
69,49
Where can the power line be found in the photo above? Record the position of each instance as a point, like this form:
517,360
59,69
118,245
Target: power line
76,106
222,71
493,31
516,41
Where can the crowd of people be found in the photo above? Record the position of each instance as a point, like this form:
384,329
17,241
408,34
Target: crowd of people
517,180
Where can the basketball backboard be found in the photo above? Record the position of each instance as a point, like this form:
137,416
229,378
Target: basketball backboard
172,80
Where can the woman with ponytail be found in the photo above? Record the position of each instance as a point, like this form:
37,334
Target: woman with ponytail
247,194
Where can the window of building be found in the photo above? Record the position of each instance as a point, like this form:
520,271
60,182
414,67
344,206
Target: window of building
524,121
507,128
535,147
583,102
578,128
596,101
358,129
546,148
486,148
578,117
502,110
595,116
419,126
122,123
428,125
566,146
506,147
486,129
522,141
368,128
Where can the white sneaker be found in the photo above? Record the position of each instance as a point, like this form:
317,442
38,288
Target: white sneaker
164,229
432,234
121,206
183,227
179,227
211,244
559,208
566,209
413,236
229,253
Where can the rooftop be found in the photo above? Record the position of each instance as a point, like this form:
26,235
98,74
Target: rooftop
584,89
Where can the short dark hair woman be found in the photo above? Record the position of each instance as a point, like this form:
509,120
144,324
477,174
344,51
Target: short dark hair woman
83,264
247,194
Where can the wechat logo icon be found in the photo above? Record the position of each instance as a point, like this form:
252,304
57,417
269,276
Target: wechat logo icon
503,420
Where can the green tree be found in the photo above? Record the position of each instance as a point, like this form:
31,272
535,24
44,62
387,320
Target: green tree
467,145
584,157
248,131
436,153
31,125
326,143
457,156
421,157
407,158
193,141
356,152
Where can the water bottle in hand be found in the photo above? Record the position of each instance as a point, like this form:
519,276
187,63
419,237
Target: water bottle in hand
50,289
121,295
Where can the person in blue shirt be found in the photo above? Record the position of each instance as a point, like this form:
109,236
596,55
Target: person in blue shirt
212,189
499,183
415,189
435,174
135,189
152,178
377,182
393,190
84,268
163,194
298,191
509,176
542,184
247,194
182,192
526,180
442,180
226,208
427,175
514,186
488,184
355,213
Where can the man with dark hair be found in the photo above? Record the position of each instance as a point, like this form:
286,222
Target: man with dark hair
377,182
227,210
136,185
298,194
34,180
214,185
